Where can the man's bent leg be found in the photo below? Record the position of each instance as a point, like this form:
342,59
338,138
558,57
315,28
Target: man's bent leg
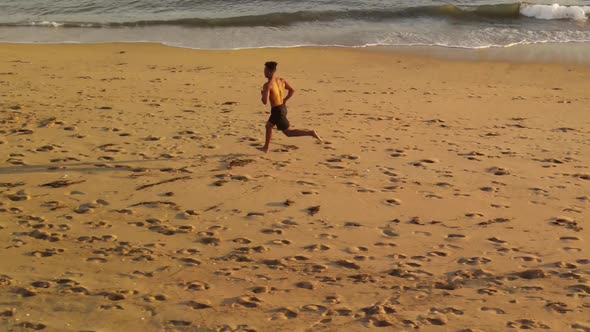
268,136
301,132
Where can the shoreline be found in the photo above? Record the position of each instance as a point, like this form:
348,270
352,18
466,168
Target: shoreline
567,53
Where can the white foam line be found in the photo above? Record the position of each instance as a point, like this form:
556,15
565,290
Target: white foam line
380,45
47,24
177,45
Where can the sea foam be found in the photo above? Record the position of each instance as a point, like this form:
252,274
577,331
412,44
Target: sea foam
47,24
555,11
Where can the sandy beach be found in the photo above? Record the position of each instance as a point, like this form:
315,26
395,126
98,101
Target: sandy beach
447,195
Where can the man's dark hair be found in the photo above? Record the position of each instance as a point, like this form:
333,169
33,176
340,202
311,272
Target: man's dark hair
271,65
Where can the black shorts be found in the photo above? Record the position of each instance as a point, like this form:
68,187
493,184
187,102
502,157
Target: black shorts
278,117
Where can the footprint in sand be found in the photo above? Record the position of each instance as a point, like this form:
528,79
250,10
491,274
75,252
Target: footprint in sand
573,249
347,264
210,240
411,324
92,239
314,308
90,207
566,222
47,252
112,296
423,162
437,254
285,313
25,292
474,260
197,305
237,328
188,261
528,258
527,324
356,250
385,244
96,260
275,231
532,274
418,258
247,301
396,153
31,326
314,268
496,311
280,242
297,258
558,307
433,196
194,285
309,192
179,323
389,233
530,288
579,289
500,206
274,263
41,235
490,189
333,299
98,224
342,312
41,284
323,321
397,256
249,250
317,247
262,289
494,221
581,327
393,202
306,285
21,195
496,240
436,319
7,313
352,224
565,265
447,310
499,171
379,322
154,298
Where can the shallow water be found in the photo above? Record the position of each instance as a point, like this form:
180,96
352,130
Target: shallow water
222,24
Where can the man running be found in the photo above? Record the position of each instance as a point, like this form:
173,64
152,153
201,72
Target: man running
274,91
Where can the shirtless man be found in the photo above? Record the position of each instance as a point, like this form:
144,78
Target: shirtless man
274,91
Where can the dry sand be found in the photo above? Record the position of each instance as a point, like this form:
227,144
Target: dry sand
447,196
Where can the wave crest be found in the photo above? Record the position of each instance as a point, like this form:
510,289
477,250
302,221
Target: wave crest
555,11
281,19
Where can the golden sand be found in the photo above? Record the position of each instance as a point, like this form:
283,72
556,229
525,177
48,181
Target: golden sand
447,195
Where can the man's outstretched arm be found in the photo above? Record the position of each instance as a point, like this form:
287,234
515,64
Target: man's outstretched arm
290,93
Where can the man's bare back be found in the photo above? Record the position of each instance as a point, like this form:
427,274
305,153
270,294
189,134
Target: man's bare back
276,88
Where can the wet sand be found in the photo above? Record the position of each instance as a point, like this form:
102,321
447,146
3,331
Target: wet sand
447,195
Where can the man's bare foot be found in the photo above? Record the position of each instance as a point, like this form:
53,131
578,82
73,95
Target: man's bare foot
317,136
264,149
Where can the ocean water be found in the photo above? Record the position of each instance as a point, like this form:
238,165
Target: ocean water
235,24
